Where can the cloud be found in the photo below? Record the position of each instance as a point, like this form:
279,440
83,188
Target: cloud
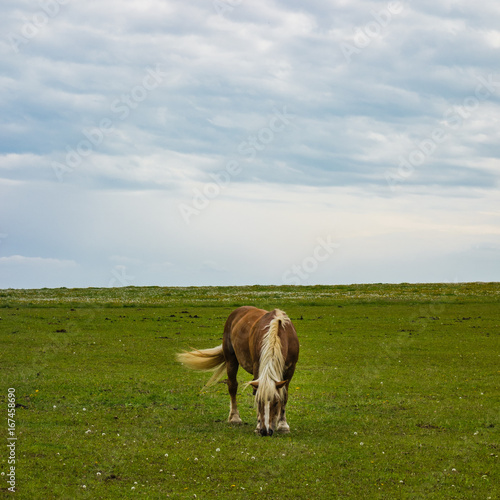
206,82
21,260
115,115
210,265
18,271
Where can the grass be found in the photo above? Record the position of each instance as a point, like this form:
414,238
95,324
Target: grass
396,394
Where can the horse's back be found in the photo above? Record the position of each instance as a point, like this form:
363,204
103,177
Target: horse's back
243,334
243,319
237,331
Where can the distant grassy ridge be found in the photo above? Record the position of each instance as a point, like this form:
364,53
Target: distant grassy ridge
236,295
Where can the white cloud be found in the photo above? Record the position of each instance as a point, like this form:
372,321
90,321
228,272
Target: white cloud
20,260
221,78
18,271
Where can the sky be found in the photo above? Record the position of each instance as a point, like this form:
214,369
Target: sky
229,142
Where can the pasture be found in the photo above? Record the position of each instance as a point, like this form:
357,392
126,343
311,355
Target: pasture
396,394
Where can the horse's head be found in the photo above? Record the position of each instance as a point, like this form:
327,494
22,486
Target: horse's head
269,402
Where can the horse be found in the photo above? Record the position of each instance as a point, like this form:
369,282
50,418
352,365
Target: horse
265,344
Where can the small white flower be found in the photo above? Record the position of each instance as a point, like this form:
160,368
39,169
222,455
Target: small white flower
166,454
355,433
361,444
84,409
218,449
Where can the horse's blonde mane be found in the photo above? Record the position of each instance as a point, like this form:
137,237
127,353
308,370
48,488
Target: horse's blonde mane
272,361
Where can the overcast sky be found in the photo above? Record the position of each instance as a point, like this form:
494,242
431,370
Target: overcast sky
233,142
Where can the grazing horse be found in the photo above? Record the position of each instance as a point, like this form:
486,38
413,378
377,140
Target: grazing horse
265,344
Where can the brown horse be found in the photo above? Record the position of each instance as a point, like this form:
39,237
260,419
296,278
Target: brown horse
265,344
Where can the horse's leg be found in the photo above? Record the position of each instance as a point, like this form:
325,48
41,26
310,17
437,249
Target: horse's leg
259,423
254,392
282,423
232,385
283,426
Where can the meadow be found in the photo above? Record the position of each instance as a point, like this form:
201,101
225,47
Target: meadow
396,394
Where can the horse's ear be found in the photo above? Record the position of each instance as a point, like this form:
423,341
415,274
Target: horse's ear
279,385
254,384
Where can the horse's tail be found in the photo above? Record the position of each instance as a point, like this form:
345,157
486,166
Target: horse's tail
205,360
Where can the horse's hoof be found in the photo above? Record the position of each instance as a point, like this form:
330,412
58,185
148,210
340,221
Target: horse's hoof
235,420
283,429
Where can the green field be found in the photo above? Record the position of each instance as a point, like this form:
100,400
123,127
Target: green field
396,394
